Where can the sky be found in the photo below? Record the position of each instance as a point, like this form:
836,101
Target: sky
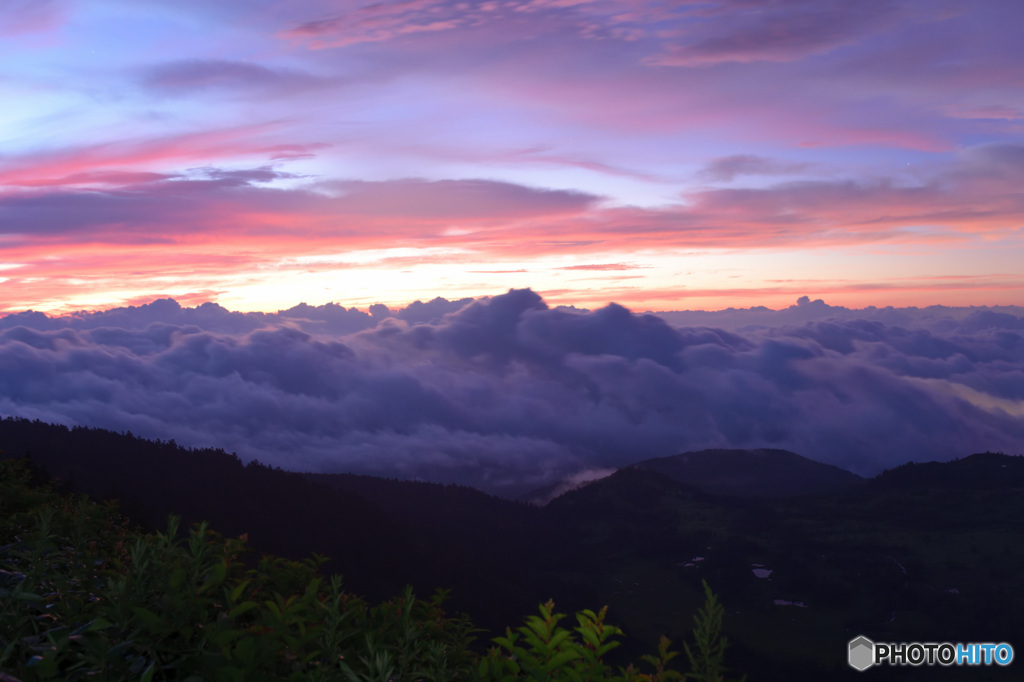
687,155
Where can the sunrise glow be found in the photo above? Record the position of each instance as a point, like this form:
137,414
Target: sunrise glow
691,155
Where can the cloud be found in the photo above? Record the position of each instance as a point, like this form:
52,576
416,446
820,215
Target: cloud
54,167
198,75
205,227
752,31
377,22
162,207
728,168
999,163
992,111
509,394
294,152
118,211
20,17
454,199
572,482
603,266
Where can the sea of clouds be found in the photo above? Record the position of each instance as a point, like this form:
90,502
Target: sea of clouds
508,394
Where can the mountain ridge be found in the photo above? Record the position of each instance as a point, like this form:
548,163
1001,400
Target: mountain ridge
731,472
760,472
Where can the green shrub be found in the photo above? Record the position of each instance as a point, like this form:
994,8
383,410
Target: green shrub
85,596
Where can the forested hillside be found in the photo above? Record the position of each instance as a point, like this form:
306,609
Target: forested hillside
84,595
925,552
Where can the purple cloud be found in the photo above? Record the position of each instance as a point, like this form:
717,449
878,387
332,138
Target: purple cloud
758,30
508,394
197,75
728,168
19,17
155,208
455,199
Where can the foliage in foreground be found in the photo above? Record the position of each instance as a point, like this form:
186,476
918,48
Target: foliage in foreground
85,596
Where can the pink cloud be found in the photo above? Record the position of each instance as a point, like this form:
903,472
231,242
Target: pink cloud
21,17
803,214
919,291
603,266
375,23
980,196
776,32
225,211
992,111
605,81
51,167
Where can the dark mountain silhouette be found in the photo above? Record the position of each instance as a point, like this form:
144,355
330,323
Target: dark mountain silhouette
282,513
406,501
987,470
467,539
756,473
924,552
753,473
379,534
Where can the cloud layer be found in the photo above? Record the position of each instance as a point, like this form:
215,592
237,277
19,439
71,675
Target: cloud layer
509,394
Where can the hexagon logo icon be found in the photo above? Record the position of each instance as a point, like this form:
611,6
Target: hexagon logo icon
861,653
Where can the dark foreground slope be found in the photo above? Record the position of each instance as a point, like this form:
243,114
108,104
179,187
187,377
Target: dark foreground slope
926,552
379,534
282,513
900,558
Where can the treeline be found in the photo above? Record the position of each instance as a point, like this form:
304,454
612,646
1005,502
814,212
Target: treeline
84,594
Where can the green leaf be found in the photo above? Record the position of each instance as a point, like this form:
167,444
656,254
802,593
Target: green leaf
177,578
149,619
245,651
237,592
215,577
559,637
224,637
99,624
244,607
560,659
26,596
590,637
507,642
